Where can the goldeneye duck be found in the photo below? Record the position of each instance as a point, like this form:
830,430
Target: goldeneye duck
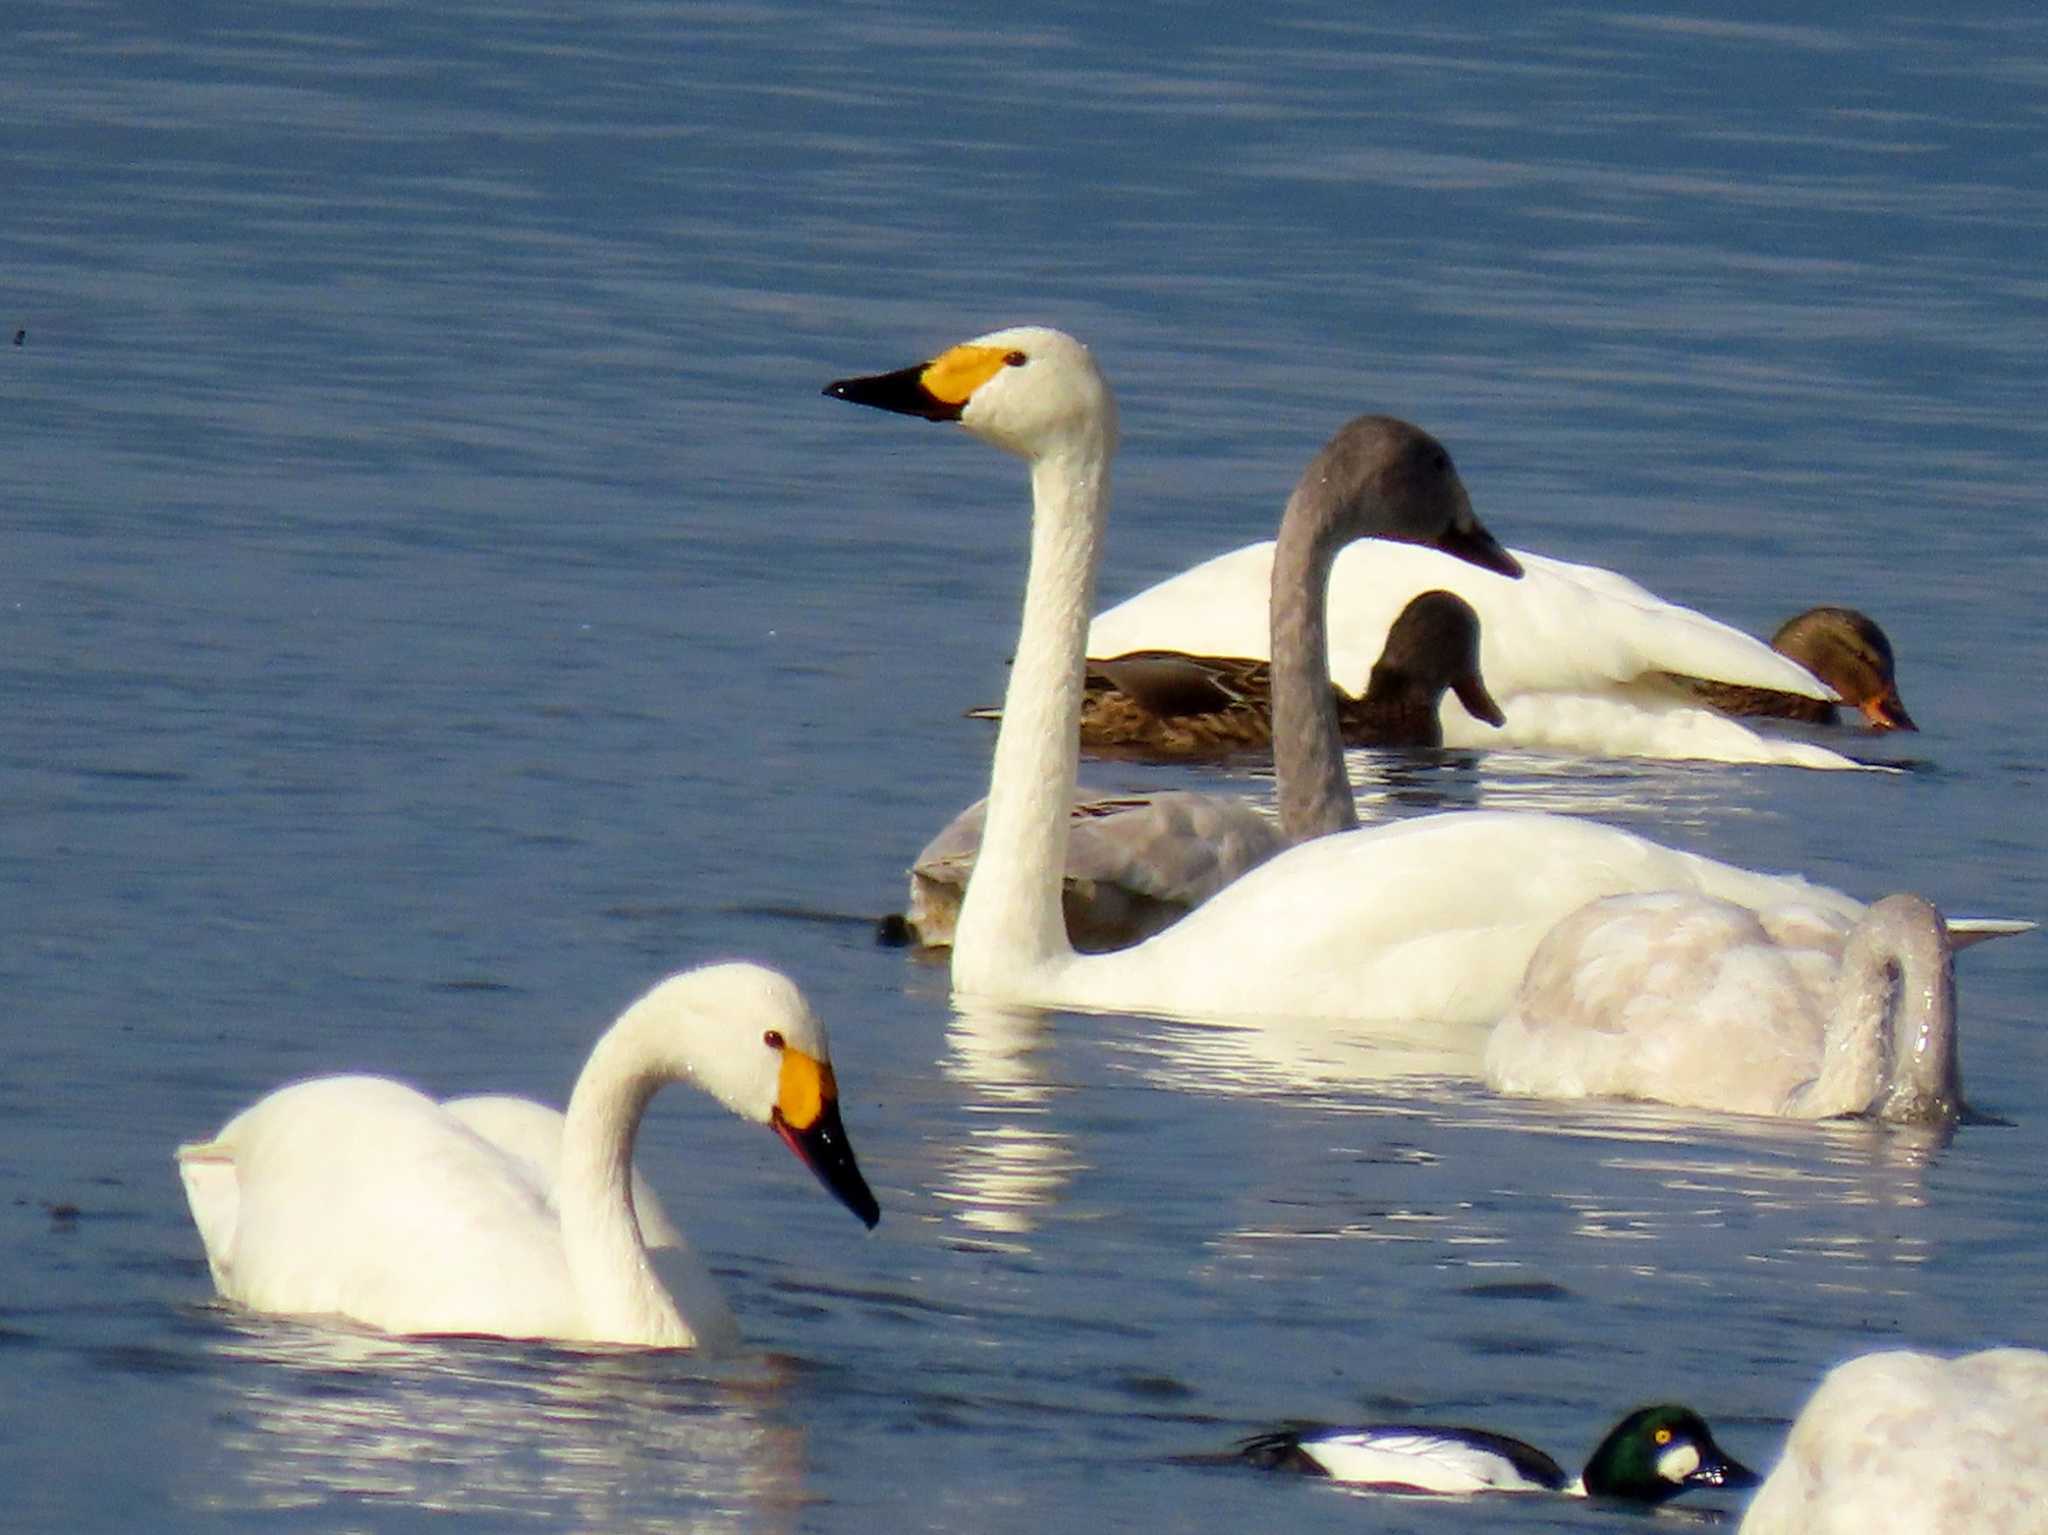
1653,1454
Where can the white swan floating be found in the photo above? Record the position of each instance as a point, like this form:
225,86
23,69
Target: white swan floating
1137,863
361,1199
1432,918
1576,656
1789,1011
1901,1443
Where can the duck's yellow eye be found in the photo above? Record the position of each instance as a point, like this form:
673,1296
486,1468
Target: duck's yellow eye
1662,1436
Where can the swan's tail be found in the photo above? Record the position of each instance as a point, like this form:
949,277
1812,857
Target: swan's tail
215,1195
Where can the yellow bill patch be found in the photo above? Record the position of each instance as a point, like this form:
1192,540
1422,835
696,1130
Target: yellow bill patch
957,372
805,1087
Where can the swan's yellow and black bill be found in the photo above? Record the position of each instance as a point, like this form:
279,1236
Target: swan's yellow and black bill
806,1116
937,390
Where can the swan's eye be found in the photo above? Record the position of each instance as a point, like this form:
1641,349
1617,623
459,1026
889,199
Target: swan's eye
1014,359
773,1039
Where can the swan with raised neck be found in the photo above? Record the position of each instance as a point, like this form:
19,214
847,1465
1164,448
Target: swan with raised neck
1432,918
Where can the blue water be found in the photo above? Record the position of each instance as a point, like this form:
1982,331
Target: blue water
436,602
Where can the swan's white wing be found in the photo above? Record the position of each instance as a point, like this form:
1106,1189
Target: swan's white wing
358,1197
1632,722
1561,628
1902,1441
1431,918
531,1134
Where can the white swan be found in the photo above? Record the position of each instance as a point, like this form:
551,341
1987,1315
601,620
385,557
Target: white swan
1700,1003
1428,918
1137,863
1575,655
360,1198
1901,1443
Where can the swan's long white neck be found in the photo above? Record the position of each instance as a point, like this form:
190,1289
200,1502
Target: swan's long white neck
622,1298
1308,753
1891,1046
1011,921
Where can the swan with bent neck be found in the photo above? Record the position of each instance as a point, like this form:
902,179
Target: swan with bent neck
1431,918
359,1198
1694,1002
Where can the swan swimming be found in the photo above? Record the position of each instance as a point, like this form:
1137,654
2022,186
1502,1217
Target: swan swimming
1899,1443
1137,863
362,1199
1580,659
1430,918
1686,1000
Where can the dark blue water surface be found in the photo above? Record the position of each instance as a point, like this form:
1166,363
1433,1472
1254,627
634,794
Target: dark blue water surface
436,602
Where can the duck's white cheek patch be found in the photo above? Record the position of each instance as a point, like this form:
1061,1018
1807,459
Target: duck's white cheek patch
1678,1462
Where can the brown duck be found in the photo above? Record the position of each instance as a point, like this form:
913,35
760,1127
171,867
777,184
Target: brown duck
1163,703
1842,647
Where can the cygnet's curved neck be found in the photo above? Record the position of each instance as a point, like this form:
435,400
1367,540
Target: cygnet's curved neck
623,1300
1308,753
1011,920
1891,1048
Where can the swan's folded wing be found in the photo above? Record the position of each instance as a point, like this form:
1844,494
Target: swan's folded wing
1562,627
1173,846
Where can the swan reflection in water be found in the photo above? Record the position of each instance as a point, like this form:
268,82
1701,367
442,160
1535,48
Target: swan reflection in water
1014,1161
1416,1151
329,1417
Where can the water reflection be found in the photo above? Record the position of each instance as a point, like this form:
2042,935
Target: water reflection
1014,1161
322,1416
1310,1061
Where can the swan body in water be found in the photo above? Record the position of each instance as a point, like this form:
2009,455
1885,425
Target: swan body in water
1579,658
1900,1443
1431,918
359,1198
1789,1011
1137,863
1649,1457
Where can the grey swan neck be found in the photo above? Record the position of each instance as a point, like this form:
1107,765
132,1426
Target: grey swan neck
623,1300
1308,751
1891,1045
1011,920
